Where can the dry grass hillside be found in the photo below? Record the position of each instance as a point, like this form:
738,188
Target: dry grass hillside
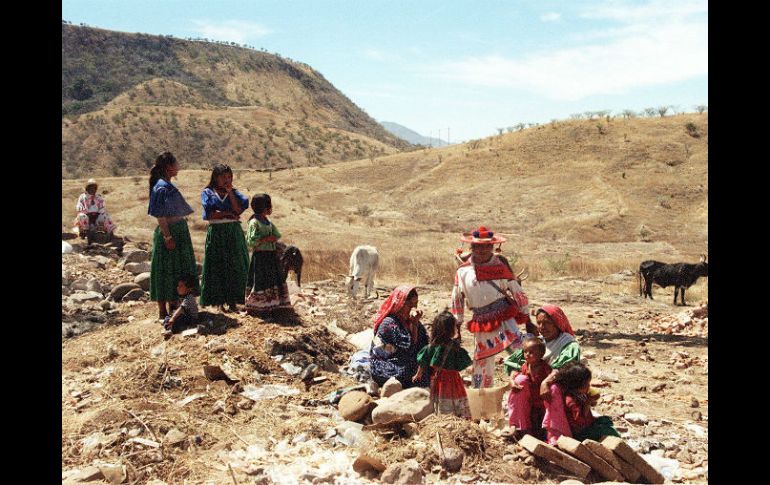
125,95
572,199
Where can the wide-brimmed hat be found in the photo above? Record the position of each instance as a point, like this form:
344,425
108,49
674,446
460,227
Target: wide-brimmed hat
482,235
91,182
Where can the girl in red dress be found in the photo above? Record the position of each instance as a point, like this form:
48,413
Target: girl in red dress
447,357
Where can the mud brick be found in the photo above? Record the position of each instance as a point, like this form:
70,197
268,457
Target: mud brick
621,448
544,450
582,453
630,473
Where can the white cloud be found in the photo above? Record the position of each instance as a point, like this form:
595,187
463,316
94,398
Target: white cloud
550,17
380,55
230,30
655,44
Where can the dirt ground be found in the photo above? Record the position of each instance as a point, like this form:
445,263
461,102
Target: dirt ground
132,399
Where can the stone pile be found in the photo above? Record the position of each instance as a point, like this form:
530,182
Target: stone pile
611,459
692,322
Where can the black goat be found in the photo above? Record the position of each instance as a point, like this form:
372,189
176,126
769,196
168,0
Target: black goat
679,275
291,259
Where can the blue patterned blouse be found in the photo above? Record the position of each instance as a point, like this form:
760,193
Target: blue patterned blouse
167,201
401,363
212,202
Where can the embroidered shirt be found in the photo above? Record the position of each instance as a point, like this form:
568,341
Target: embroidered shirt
479,294
88,203
393,352
167,201
213,202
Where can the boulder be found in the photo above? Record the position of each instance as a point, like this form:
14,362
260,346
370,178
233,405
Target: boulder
137,268
133,295
452,458
135,256
93,285
411,404
120,290
101,261
408,472
391,387
636,418
79,284
66,247
143,280
84,297
113,473
355,405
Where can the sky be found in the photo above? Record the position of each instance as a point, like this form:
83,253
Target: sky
458,70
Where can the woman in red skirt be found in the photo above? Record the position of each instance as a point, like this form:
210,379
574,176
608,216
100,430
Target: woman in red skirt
447,358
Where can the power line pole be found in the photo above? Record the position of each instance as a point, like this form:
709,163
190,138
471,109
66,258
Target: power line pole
447,135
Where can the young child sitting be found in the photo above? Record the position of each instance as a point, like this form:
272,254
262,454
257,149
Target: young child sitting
447,357
186,315
575,381
528,379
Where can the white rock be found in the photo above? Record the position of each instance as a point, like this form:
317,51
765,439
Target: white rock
93,285
84,297
143,280
136,256
408,472
636,418
137,268
79,284
66,247
411,404
391,387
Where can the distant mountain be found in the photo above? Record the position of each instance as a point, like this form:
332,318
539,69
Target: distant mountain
411,136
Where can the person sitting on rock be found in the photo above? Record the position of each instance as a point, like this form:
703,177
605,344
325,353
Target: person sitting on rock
561,348
186,315
527,381
91,212
575,381
398,338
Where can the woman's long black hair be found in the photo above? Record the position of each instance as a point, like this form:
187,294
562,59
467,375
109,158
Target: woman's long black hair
219,169
158,171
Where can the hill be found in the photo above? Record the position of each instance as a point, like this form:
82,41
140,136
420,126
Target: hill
412,136
571,198
126,97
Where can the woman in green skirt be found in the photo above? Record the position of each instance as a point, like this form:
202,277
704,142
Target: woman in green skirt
226,261
172,250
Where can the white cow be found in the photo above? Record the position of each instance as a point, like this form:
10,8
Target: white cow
363,265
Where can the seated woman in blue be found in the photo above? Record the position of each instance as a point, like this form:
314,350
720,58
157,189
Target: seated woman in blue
398,338
225,262
172,250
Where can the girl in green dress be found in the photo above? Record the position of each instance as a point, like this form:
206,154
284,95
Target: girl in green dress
266,285
447,358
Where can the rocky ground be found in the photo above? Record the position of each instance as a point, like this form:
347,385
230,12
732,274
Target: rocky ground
239,402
